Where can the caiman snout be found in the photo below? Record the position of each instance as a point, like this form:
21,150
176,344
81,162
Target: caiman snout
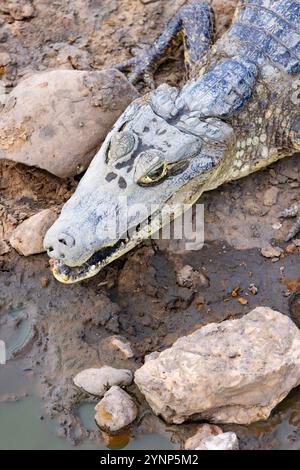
58,245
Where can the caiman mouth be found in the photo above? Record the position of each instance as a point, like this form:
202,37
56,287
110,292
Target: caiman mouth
94,264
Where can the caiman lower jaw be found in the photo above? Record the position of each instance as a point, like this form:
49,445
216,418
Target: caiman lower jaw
100,259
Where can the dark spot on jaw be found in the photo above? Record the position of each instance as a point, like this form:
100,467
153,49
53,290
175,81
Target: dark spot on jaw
146,129
110,176
122,183
161,131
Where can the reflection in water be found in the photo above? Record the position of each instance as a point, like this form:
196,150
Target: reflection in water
284,423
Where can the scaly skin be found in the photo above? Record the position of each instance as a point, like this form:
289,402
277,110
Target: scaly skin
238,112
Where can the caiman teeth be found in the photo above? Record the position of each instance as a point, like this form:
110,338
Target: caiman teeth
96,262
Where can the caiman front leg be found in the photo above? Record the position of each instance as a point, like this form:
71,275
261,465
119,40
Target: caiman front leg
193,25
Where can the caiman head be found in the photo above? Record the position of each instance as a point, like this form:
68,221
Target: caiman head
158,153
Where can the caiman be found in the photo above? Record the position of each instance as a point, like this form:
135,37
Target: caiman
238,111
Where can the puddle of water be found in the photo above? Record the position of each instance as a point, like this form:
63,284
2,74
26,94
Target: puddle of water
86,412
22,428
14,380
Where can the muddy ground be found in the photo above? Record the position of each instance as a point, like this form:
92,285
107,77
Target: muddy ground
67,328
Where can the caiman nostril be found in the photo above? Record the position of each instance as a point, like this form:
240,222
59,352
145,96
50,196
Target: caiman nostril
66,240
49,249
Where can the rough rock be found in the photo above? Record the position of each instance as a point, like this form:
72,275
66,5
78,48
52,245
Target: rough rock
204,431
116,410
224,441
98,381
28,237
57,120
236,371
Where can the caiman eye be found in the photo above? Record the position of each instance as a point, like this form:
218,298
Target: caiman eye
152,169
156,174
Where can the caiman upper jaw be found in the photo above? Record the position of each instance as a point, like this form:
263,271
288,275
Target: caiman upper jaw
101,258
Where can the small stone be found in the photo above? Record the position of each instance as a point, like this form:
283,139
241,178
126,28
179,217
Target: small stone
203,432
242,301
190,277
297,242
291,248
271,196
253,289
224,441
185,276
98,381
123,346
270,251
28,237
116,410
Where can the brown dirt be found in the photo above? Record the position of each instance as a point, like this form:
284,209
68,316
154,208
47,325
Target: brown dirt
137,297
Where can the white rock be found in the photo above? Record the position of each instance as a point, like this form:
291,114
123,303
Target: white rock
236,371
116,410
204,431
28,237
224,441
98,381
57,120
